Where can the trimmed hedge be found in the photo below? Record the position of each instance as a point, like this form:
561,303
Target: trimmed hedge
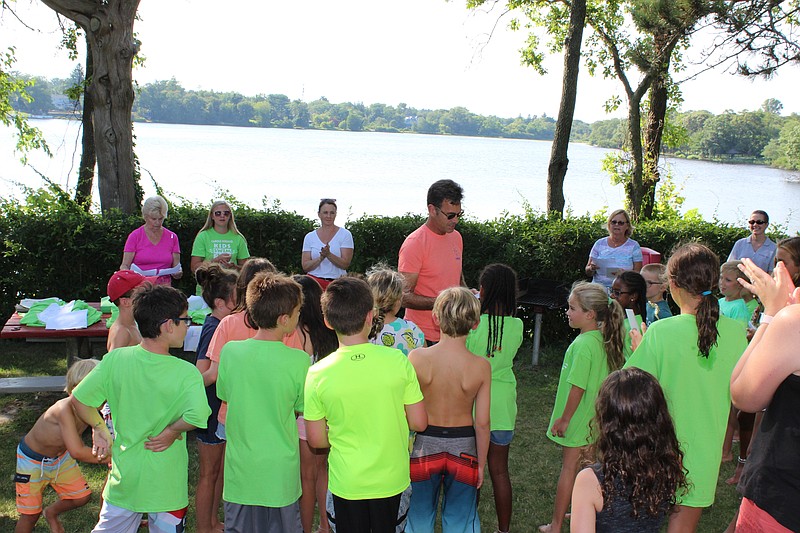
49,246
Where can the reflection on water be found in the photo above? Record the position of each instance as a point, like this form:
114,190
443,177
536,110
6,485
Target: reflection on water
388,174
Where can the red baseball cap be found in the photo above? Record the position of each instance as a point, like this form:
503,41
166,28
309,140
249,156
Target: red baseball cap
123,281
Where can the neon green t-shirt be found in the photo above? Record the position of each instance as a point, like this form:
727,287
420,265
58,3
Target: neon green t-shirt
503,410
362,392
585,366
146,392
262,381
209,244
627,342
697,390
735,309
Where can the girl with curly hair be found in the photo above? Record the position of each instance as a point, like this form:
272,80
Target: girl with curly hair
639,467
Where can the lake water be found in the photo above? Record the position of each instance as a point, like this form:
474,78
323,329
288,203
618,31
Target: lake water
388,174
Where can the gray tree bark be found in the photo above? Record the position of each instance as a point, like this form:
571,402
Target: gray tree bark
108,25
559,160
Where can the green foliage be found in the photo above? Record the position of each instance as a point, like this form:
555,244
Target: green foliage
50,246
784,151
669,199
167,101
13,90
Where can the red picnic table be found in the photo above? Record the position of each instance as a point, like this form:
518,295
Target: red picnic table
76,341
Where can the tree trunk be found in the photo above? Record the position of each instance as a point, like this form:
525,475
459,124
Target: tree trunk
557,169
83,191
634,186
108,26
654,131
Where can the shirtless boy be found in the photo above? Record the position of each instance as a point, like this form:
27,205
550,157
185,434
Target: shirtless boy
124,331
452,450
46,456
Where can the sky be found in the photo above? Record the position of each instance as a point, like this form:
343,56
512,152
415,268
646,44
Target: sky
429,54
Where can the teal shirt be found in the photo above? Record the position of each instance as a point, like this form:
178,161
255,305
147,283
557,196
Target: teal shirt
735,309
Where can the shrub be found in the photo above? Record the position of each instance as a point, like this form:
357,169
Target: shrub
49,246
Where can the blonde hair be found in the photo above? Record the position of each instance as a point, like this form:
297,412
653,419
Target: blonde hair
155,204
457,310
628,230
79,370
658,269
733,266
210,218
609,316
387,289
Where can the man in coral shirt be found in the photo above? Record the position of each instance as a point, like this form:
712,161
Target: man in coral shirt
430,258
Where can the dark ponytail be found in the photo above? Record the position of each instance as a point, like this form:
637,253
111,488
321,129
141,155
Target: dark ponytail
216,282
695,269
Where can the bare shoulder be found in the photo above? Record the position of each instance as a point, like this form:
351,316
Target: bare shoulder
480,363
420,359
63,412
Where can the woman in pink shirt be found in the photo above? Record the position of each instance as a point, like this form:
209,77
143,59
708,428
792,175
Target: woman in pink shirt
152,246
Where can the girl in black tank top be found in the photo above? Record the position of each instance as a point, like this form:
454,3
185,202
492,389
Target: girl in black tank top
639,462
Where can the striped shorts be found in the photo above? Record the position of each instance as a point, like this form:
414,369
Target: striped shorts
36,471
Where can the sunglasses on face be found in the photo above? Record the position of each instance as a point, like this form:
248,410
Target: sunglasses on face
451,216
618,222
220,213
759,222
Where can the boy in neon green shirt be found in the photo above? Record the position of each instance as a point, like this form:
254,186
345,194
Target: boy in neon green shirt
369,397
155,398
262,380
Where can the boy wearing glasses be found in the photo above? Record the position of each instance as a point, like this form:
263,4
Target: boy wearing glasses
431,256
758,247
262,380
655,275
155,399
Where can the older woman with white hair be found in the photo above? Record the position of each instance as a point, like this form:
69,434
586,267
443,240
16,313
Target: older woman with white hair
616,253
152,247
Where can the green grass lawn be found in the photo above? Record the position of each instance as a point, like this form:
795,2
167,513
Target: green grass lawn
535,460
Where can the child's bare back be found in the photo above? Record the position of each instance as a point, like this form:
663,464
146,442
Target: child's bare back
451,377
121,335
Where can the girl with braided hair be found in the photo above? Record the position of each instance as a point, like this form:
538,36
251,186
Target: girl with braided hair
387,328
498,337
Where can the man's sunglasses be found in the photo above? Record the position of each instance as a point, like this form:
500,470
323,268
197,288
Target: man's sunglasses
451,216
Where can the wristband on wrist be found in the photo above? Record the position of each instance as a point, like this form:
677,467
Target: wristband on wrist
765,319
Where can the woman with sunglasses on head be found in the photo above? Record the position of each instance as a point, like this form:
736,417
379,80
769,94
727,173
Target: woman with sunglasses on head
758,247
328,250
219,240
616,253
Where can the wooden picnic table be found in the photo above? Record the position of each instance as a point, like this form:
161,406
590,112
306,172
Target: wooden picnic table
76,342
